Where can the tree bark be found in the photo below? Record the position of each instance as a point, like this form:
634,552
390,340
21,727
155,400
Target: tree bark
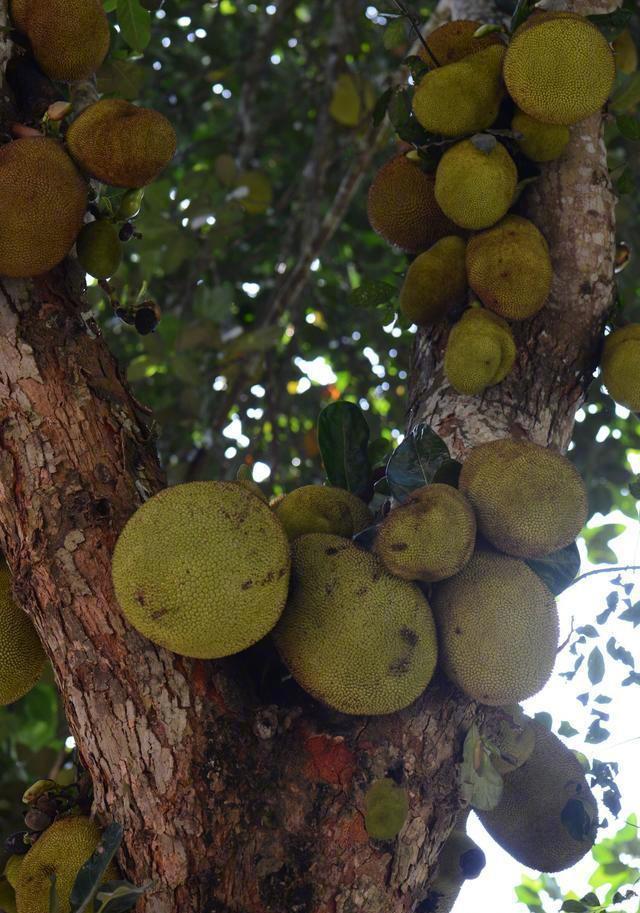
236,791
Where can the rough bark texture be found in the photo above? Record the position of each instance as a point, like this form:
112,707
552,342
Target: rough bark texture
237,793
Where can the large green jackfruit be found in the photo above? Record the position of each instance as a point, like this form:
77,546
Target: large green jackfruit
480,352
435,282
22,658
322,509
353,636
475,188
547,817
454,41
621,366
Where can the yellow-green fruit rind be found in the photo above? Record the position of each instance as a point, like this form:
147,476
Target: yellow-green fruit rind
480,352
497,629
19,13
435,282
621,366
402,207
202,569
314,509
454,41
462,97
43,199
12,869
624,47
387,807
22,658
121,144
474,188
7,897
69,38
528,822
99,249
559,69
429,537
353,636
539,142
61,850
529,500
509,268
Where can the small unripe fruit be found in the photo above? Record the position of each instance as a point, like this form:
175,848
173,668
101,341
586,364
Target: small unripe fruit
99,249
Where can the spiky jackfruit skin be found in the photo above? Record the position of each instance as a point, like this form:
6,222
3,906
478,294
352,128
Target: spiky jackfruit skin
43,199
474,188
12,869
387,807
202,569
509,268
22,658
497,629
528,822
353,636
480,352
626,52
435,283
539,142
69,38
514,739
454,41
621,366
529,500
121,144
429,537
7,897
559,68
62,849
463,97
99,249
322,509
460,859
402,207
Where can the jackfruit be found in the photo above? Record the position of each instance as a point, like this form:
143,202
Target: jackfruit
513,740
460,859
509,268
61,850
12,869
475,188
497,629
43,199
621,366
69,38
539,142
387,807
257,192
547,817
624,47
559,68
429,537
22,658
462,97
121,144
436,281
480,352
454,41
99,249
322,509
353,636
402,207
7,897
202,569
529,500
352,99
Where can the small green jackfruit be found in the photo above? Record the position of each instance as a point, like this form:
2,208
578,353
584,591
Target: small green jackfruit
322,509
202,569
514,739
99,249
436,281
559,68
624,47
462,97
529,500
454,41
402,207
353,636
61,850
69,38
621,366
460,859
480,352
387,807
547,817
22,658
43,199
539,142
7,897
497,629
429,537
475,188
121,144
509,268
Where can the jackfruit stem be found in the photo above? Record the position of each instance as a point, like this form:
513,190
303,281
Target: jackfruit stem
413,22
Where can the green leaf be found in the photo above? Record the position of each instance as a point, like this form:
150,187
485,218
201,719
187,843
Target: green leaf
595,666
559,569
629,126
343,438
417,67
480,783
631,614
135,24
591,900
628,95
626,183
573,906
611,24
373,294
415,461
567,730
523,10
122,78
395,33
380,107
118,896
597,540
596,733
379,451
92,872
545,719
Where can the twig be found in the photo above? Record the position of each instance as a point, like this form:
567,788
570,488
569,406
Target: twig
415,25
605,570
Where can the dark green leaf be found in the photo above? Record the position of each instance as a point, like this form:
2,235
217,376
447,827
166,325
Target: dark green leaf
619,653
415,462
595,666
123,78
629,126
523,10
631,614
587,630
611,24
627,96
92,872
559,569
379,451
573,906
135,24
343,438
545,719
596,733
380,107
567,730
481,784
373,294
417,67
626,183
591,900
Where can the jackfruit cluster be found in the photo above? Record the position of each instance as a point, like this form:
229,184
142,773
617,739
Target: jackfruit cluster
480,352
621,366
436,282
22,658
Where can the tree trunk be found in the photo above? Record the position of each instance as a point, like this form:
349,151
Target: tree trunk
236,792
